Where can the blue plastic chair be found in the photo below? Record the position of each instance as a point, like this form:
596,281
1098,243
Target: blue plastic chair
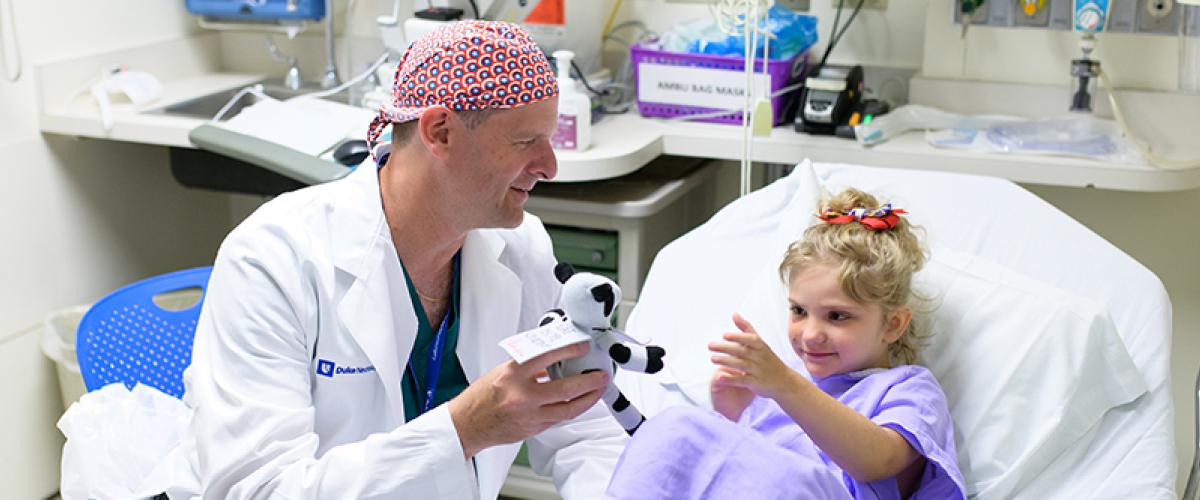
126,337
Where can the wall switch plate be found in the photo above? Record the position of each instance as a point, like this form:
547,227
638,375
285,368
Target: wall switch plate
1158,16
1000,12
1061,14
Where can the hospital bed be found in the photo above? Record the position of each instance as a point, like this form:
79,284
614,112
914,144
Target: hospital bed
1051,344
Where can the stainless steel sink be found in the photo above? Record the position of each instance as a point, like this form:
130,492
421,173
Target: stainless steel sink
207,106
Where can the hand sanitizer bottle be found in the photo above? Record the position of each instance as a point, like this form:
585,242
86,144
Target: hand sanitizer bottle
574,131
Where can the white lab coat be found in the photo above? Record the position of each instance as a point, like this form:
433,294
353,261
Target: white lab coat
312,277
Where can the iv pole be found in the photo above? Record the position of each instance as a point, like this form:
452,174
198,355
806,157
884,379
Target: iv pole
330,79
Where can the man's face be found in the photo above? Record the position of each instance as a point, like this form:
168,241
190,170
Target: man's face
502,160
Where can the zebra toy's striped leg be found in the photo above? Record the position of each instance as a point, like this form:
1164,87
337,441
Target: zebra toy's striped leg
626,414
631,356
639,358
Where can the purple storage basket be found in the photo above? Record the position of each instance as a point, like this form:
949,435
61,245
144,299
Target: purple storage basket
783,72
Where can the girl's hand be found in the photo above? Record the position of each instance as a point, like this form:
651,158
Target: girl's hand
749,363
729,400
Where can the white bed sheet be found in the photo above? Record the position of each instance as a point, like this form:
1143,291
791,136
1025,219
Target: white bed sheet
1130,454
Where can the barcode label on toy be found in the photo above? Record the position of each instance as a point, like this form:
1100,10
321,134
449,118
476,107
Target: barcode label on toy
527,345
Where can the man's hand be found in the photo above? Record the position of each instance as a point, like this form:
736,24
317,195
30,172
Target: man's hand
749,363
508,404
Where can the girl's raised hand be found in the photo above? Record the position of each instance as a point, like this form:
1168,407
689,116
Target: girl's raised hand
727,399
746,361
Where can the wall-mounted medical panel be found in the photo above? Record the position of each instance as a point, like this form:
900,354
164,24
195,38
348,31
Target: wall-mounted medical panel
1150,17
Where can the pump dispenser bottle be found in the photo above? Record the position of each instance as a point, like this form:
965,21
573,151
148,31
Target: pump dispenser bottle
574,132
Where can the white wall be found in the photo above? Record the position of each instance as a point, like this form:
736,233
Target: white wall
78,218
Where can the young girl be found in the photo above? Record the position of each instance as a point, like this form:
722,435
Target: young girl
869,424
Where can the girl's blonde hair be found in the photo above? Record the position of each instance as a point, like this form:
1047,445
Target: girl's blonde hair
876,267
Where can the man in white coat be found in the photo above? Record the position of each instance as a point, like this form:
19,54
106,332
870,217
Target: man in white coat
347,347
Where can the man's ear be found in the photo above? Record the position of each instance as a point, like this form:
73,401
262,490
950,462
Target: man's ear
896,322
433,128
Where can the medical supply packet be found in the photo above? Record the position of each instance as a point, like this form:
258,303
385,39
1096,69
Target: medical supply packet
1078,135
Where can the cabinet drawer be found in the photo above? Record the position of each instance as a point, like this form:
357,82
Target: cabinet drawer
583,248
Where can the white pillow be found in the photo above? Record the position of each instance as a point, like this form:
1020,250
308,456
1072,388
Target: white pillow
1028,369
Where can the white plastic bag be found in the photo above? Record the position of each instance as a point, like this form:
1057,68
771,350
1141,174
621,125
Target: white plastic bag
124,444
58,344
903,119
1078,135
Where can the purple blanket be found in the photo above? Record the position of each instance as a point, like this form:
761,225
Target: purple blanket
693,453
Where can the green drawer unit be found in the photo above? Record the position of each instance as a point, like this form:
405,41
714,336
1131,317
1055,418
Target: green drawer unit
612,275
595,251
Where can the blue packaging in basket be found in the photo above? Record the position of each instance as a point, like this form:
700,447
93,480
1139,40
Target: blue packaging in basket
793,33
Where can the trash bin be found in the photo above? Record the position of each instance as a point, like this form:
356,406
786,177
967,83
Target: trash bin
58,339
58,344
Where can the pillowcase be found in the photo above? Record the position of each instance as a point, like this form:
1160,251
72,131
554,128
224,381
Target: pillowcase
1028,369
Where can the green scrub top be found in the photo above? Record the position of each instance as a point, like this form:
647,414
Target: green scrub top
451,380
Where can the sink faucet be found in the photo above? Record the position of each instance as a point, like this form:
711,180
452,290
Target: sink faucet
291,79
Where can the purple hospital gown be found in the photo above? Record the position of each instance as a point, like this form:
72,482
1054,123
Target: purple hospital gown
693,453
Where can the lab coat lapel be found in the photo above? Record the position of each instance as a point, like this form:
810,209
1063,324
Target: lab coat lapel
382,325
383,329
491,302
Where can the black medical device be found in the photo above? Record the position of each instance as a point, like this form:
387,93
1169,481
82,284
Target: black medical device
439,14
258,10
831,93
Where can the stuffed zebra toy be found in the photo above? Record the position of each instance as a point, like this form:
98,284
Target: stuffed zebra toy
588,301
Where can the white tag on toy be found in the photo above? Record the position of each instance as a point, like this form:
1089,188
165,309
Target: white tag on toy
530,344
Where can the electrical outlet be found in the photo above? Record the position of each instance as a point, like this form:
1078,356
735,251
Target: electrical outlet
1159,8
1158,16
849,5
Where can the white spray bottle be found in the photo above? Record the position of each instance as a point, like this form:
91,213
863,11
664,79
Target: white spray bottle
574,132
